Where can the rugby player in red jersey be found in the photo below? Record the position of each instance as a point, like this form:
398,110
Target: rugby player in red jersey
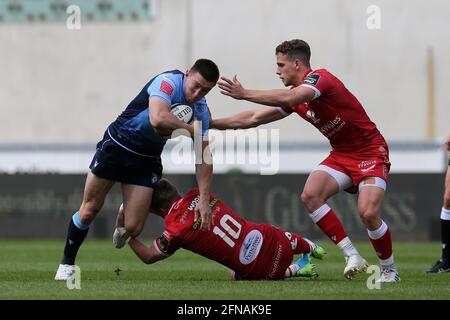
359,159
251,250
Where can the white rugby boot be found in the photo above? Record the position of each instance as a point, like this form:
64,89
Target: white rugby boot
389,274
354,264
64,272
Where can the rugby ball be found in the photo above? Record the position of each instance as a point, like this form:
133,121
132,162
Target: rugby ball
182,112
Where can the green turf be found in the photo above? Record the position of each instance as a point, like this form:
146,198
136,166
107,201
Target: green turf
27,269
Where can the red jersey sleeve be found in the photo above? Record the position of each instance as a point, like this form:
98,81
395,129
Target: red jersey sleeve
319,81
167,243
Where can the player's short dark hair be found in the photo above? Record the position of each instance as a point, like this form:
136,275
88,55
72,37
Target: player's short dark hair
295,49
207,68
163,194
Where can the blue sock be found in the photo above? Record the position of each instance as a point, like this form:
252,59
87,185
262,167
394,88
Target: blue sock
303,260
75,237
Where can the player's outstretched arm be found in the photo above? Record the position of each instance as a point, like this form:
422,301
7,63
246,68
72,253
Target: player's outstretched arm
147,255
248,119
204,172
273,98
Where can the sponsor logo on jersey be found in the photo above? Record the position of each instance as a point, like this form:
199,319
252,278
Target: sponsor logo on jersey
184,216
276,262
166,88
293,241
363,164
330,125
312,79
311,115
197,223
368,169
366,166
250,247
194,203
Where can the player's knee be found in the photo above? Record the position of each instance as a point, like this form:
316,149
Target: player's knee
311,202
86,217
89,210
134,228
370,217
305,198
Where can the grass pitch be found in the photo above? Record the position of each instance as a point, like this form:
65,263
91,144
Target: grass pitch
27,268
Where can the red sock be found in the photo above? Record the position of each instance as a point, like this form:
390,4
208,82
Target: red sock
381,241
329,223
302,245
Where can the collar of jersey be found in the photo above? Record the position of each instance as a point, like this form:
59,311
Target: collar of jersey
174,203
307,73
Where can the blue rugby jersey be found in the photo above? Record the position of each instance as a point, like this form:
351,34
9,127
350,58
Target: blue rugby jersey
133,131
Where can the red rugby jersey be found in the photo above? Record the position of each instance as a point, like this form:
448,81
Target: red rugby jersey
337,113
246,247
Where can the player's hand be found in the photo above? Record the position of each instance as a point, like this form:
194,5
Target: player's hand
232,88
120,237
203,211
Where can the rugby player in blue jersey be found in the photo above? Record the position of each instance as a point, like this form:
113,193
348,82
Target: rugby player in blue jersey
130,153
